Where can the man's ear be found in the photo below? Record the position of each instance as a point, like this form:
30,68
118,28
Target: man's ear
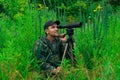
46,31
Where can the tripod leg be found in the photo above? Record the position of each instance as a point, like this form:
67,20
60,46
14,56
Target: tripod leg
66,46
71,53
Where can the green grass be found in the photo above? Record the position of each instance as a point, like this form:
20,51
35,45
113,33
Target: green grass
97,47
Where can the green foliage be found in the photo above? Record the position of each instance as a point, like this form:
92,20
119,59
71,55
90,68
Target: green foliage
1,39
114,3
97,42
14,7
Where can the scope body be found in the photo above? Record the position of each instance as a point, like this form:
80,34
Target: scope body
72,25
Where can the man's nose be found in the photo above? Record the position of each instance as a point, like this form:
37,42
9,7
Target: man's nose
56,28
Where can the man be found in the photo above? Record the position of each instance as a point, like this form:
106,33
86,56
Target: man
49,49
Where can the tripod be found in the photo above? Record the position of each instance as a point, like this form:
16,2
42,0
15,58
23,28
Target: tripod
70,46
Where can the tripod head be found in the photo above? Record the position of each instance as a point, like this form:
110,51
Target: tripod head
70,33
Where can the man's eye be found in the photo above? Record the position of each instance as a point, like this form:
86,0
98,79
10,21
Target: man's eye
54,26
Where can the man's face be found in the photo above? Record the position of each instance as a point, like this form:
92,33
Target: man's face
52,30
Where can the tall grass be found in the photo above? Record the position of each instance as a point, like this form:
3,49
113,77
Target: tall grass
97,44
17,40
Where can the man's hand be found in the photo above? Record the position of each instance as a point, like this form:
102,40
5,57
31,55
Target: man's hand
57,70
63,37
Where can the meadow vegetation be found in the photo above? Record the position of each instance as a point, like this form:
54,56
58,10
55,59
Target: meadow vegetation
97,45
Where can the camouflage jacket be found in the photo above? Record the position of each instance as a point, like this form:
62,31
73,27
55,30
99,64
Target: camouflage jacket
49,53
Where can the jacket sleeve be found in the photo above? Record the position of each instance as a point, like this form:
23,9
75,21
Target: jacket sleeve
41,56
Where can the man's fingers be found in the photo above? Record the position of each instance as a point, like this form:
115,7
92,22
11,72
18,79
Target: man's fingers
62,35
57,70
